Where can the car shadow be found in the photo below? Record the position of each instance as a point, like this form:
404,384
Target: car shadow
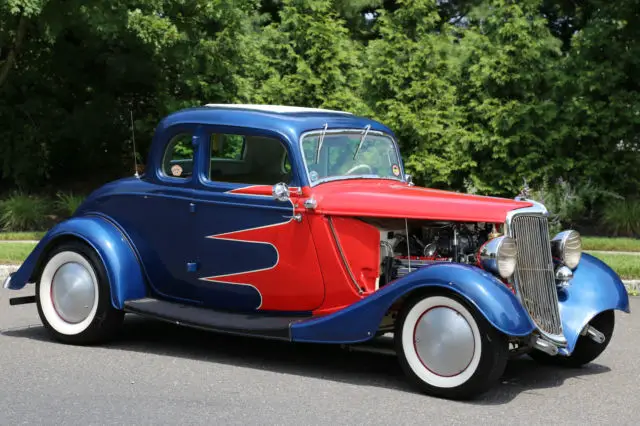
327,362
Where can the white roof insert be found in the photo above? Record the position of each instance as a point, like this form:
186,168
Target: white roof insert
275,108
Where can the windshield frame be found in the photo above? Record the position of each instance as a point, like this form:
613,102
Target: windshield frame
318,132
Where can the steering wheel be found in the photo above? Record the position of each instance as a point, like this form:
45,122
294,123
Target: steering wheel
360,166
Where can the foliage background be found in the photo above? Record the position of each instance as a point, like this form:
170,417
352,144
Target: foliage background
482,94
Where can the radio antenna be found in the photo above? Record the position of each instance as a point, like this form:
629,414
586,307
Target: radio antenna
406,227
133,138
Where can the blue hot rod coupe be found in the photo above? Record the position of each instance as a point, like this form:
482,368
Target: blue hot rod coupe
301,224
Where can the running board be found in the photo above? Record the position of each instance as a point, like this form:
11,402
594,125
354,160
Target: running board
254,324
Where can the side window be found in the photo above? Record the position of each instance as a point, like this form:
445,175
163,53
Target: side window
230,147
254,160
178,157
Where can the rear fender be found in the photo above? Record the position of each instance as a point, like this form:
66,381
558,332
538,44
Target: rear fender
359,322
110,243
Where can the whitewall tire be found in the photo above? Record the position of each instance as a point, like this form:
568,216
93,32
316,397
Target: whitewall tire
447,348
73,296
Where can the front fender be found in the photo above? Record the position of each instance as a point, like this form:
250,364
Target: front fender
111,245
595,288
360,321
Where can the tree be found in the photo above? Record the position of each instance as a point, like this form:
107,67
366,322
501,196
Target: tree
505,70
308,59
599,96
406,86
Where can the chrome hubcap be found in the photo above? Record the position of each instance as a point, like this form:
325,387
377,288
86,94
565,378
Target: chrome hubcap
73,292
444,341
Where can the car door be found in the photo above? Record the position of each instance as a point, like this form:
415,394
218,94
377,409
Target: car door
160,220
253,252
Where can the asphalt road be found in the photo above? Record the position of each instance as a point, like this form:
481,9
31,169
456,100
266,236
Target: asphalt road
158,373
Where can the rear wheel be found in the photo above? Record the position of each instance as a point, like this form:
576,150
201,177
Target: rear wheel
73,296
586,349
447,348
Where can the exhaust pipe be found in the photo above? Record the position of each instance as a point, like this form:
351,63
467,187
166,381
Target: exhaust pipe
545,346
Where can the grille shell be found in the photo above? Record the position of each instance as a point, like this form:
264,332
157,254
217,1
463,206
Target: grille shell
534,278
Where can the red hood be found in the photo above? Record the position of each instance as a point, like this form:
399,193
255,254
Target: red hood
376,198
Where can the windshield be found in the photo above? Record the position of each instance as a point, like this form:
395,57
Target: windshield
376,157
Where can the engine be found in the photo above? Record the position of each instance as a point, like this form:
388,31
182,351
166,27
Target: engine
404,247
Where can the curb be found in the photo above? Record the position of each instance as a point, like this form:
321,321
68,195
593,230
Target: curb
19,241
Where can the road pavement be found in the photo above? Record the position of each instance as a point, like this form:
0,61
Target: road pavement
158,373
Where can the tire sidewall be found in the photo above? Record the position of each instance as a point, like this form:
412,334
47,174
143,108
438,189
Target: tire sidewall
91,329
489,356
415,363
45,290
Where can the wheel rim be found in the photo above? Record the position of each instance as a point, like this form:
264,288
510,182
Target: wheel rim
73,292
448,348
68,293
443,341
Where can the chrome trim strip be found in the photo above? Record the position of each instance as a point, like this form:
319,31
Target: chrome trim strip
344,258
348,130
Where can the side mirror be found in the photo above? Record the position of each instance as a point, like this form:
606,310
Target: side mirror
280,192
409,179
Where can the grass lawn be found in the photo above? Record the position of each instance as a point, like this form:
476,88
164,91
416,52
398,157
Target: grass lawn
625,265
611,244
11,253
13,236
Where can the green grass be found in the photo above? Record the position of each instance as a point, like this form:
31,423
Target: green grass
611,244
14,253
625,265
14,236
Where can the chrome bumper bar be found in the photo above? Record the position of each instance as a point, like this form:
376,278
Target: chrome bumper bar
545,346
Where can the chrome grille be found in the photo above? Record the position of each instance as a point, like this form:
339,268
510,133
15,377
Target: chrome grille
534,276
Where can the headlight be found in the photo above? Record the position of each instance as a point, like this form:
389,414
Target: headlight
499,256
567,246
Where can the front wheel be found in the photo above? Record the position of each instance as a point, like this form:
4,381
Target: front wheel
73,296
447,348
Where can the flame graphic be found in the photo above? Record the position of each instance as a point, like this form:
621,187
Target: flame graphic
266,281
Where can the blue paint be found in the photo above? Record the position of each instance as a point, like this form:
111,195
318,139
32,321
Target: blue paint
169,233
359,322
595,288
111,245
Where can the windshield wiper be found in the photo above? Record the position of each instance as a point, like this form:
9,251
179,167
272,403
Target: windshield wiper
324,131
366,130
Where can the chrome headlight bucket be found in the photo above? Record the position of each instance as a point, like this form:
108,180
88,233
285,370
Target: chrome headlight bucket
498,255
567,246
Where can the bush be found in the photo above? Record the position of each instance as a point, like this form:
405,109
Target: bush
68,203
22,212
622,218
572,205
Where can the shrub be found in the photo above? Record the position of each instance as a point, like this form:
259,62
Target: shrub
622,218
68,203
571,205
21,212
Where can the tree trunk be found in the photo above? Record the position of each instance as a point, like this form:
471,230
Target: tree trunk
13,53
